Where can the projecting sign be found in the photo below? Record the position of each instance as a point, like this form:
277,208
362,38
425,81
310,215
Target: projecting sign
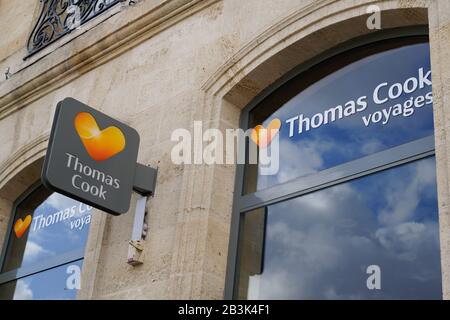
91,157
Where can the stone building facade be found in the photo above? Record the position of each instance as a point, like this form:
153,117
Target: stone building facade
159,65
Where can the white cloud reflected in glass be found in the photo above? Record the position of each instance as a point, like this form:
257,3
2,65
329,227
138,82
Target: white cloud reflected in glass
319,245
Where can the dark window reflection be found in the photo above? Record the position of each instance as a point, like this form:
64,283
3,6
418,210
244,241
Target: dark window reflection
319,246
60,283
334,91
57,225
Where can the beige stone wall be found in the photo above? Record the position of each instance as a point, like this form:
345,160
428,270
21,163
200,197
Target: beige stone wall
439,16
16,23
159,66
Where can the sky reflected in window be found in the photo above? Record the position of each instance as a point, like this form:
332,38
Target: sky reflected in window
319,246
362,126
60,283
58,225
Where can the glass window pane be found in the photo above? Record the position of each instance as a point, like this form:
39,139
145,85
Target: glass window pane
320,246
355,105
61,283
46,225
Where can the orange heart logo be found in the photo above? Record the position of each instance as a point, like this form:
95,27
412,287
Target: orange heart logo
99,144
263,136
22,225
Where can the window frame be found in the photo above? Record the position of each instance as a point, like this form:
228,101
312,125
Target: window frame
47,264
392,157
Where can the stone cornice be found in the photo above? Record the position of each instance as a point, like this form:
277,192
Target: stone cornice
102,43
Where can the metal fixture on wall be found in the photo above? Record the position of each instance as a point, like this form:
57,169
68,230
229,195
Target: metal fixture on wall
8,73
144,185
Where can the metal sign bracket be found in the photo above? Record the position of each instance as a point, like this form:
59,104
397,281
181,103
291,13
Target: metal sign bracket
144,185
145,180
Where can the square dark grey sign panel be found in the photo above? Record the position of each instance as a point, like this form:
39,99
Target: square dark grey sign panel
91,157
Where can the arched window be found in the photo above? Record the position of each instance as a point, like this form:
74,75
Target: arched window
351,212
44,247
